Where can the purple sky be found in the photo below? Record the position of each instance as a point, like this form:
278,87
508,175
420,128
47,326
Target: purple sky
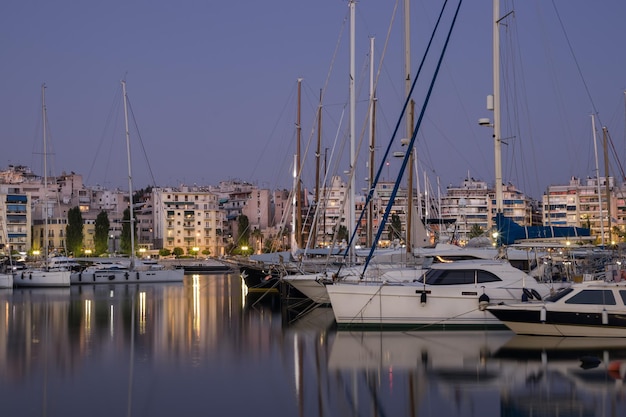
212,86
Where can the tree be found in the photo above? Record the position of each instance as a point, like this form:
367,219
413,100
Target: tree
243,230
101,233
74,231
342,233
395,228
178,251
475,231
125,237
164,252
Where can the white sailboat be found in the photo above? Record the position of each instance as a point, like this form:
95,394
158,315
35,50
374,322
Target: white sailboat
136,272
44,276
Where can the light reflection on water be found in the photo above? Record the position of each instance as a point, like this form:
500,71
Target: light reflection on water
204,347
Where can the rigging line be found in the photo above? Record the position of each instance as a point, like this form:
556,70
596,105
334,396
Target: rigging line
145,155
593,105
380,66
416,129
327,80
519,85
614,152
274,128
113,111
398,123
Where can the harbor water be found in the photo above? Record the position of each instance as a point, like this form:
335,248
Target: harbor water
207,346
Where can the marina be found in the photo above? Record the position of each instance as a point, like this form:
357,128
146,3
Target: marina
207,346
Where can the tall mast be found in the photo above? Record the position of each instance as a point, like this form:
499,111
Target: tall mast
607,187
351,198
370,177
130,179
595,149
497,133
298,219
409,192
317,173
45,174
409,122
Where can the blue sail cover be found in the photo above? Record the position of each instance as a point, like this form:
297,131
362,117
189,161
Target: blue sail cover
509,231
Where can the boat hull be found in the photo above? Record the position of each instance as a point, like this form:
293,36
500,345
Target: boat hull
127,277
312,288
416,306
258,279
6,281
42,279
531,320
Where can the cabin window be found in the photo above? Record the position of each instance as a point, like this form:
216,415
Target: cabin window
458,276
599,297
622,293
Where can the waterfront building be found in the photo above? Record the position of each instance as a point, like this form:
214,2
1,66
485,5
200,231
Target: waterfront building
596,203
189,218
15,218
473,204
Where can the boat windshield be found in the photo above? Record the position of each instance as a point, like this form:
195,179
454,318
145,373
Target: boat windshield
457,276
559,294
593,296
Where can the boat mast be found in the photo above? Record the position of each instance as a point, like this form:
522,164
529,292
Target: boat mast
595,150
298,218
45,174
409,122
130,179
318,150
370,177
497,133
351,198
607,187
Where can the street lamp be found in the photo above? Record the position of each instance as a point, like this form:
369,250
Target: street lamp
195,250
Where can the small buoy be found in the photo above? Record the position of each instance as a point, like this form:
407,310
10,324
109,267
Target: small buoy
542,315
605,316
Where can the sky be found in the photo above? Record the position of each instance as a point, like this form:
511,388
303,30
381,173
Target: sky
213,89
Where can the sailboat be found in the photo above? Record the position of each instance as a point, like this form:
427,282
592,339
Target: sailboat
136,272
44,276
449,294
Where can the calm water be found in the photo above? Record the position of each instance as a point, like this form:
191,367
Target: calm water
205,348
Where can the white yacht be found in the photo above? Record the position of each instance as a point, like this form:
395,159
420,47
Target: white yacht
447,295
590,308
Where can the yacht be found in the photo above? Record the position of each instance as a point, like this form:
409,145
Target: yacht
446,295
590,308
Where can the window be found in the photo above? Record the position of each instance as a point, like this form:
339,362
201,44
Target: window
622,293
458,276
599,297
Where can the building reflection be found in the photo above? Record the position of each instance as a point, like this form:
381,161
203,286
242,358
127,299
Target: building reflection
187,319
232,341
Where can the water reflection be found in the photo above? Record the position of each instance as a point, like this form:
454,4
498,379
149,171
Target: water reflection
205,346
